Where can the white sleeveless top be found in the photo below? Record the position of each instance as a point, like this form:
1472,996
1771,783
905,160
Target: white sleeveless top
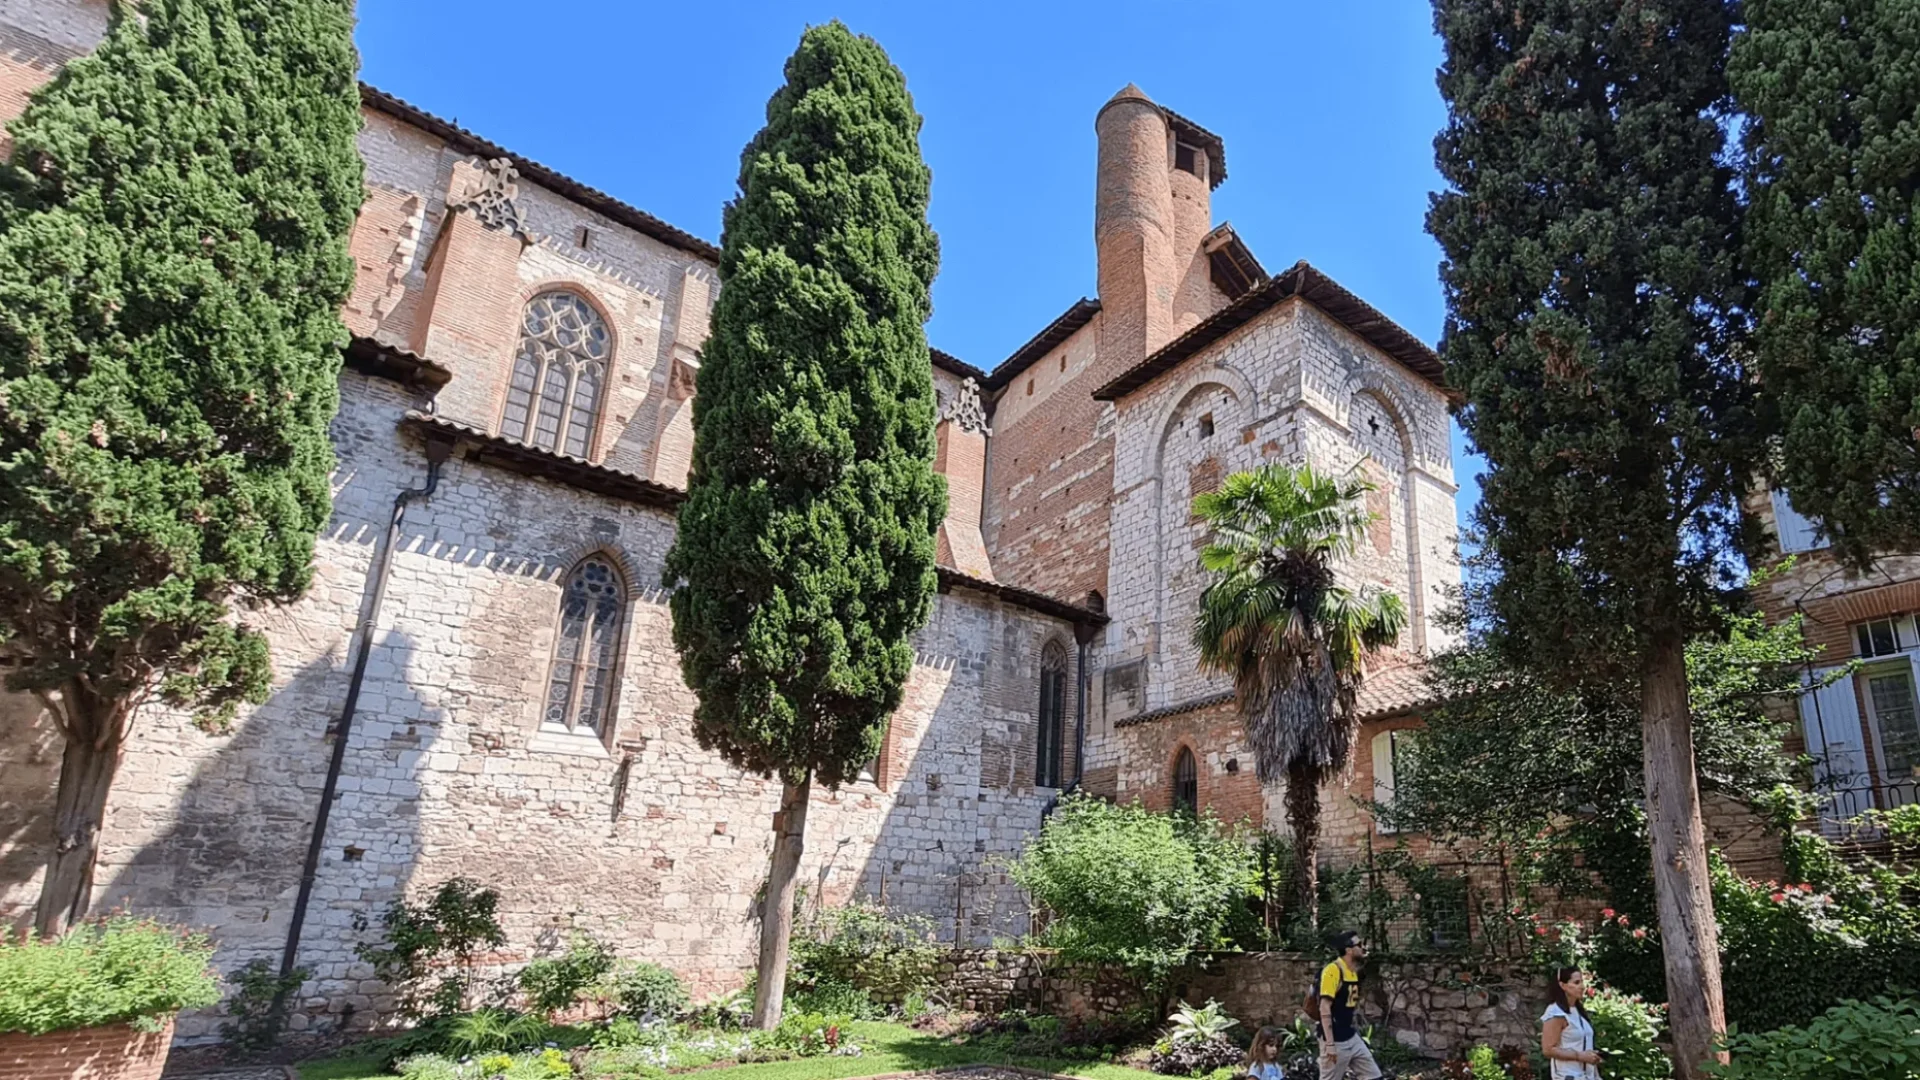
1577,1036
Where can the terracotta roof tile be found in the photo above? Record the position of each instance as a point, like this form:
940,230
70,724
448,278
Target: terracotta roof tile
1395,691
1300,280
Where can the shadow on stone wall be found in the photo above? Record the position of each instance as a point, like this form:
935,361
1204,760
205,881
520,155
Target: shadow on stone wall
227,831
959,801
30,750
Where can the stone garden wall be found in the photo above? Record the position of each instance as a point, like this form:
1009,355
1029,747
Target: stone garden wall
1433,1005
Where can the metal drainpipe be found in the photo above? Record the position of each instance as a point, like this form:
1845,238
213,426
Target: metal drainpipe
1080,713
437,453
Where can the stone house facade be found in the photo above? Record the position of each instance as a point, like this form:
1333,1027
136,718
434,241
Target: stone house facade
513,440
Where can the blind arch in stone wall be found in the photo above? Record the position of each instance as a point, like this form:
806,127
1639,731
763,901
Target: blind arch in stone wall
1196,446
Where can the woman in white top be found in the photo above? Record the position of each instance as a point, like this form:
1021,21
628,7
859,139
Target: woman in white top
1566,1036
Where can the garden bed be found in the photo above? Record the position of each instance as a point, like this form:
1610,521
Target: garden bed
887,1049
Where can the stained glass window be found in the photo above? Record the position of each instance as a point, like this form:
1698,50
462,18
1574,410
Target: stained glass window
580,685
558,373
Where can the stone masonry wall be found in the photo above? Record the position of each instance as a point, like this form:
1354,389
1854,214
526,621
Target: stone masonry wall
1437,1006
640,837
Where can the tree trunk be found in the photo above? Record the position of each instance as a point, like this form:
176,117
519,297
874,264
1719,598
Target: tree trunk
1303,813
1689,937
80,808
776,915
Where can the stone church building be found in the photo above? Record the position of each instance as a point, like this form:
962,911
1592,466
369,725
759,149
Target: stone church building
513,440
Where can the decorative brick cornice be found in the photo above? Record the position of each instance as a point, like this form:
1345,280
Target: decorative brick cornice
370,357
518,457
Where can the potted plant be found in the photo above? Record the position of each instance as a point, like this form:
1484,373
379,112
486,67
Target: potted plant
100,1001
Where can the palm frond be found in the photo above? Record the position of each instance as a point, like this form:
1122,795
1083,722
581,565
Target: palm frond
1274,617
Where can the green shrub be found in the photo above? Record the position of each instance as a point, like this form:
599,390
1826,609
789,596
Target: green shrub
546,1064
1844,932
1484,1064
810,1034
253,1024
496,1031
1626,1032
1854,1040
833,997
650,990
117,970
427,1067
728,1012
553,984
861,946
1141,890
445,934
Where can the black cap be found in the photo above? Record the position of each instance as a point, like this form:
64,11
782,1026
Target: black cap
1345,939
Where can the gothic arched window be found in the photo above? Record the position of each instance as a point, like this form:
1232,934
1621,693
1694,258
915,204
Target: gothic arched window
1053,711
1186,782
586,648
558,374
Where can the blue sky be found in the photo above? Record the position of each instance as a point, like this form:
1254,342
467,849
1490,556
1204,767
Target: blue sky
1328,112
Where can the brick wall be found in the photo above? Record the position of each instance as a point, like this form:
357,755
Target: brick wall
114,1052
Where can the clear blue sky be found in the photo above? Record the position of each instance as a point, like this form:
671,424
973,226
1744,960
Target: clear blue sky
1328,112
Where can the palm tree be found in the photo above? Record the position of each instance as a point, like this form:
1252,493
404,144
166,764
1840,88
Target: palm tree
1276,618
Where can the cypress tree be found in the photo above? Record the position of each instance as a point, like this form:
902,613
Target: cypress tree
1831,95
805,554
173,257
1589,235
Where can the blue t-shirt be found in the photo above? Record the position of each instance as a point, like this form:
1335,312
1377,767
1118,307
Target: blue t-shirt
1267,1070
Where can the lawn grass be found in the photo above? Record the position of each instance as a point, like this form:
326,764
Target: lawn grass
889,1048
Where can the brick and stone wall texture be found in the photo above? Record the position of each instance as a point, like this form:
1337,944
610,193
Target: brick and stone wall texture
111,1052
1049,474
1290,386
640,836
1439,1006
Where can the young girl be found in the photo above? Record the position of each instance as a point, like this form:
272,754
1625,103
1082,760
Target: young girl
1566,1036
1263,1057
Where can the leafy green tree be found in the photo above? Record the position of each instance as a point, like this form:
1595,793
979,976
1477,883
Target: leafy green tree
173,257
1508,755
1276,618
1589,234
805,557
1144,891
1830,92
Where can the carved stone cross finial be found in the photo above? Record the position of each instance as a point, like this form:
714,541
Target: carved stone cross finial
964,408
496,202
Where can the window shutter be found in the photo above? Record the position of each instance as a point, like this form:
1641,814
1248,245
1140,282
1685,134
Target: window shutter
1830,718
1383,774
1797,533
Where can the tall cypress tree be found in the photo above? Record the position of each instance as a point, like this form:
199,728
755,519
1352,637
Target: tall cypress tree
805,555
1831,93
173,257
1591,281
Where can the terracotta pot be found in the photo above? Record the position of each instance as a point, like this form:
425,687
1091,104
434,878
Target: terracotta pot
110,1052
